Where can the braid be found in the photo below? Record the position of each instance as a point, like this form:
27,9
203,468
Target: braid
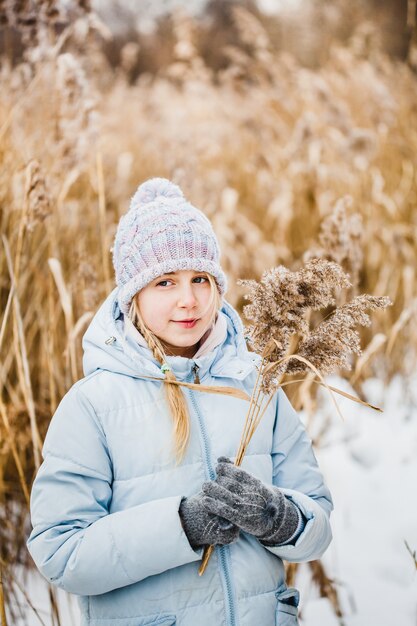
174,394
152,342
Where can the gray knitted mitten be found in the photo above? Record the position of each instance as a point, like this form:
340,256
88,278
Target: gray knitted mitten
202,527
254,507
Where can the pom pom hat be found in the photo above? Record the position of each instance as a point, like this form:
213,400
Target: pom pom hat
160,233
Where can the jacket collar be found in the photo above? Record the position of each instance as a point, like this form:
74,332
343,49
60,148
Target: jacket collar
106,347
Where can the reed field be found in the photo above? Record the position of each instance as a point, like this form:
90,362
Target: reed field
288,161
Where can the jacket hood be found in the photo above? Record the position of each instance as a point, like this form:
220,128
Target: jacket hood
106,347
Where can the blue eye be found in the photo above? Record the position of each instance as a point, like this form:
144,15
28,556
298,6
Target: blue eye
199,279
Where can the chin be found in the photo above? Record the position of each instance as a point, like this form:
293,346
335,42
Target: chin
185,342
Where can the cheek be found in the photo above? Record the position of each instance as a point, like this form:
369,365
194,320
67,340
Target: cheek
154,312
205,299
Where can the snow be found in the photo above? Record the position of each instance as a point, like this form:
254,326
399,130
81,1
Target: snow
370,464
369,460
36,589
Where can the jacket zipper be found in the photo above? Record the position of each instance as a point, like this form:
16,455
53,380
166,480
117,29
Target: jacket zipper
223,551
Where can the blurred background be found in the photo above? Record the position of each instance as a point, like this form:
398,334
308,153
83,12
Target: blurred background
293,125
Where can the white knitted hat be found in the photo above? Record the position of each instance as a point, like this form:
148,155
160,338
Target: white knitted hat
162,232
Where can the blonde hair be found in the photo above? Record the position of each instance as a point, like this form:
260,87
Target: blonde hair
174,394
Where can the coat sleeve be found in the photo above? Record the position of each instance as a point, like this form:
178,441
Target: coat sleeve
75,542
297,474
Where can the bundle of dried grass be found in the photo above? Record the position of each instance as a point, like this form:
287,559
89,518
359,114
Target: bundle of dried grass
280,306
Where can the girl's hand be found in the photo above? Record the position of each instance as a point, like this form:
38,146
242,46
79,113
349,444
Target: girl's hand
204,528
254,507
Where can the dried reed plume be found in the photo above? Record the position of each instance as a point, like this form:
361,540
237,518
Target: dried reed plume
329,346
279,309
33,19
37,195
279,303
340,239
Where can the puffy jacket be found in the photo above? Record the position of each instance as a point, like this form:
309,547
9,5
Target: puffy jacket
104,503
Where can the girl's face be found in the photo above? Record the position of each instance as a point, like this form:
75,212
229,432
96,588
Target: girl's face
175,307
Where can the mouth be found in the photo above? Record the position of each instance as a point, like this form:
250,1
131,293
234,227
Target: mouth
190,323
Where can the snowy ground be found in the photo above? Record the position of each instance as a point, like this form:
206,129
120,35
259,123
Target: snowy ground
370,464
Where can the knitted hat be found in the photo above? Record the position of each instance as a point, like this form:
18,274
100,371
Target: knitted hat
162,232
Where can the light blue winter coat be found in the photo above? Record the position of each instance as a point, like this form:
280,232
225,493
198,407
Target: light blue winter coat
104,503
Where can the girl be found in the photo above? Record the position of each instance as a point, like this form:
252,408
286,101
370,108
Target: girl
129,491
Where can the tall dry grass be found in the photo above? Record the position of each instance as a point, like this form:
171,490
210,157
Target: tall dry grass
265,146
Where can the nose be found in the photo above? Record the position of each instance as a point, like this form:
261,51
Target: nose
186,298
